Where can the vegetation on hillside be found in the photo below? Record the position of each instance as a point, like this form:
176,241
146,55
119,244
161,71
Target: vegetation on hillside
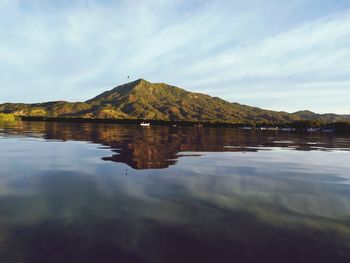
7,117
158,101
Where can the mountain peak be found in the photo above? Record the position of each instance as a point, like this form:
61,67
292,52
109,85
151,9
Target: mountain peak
128,87
141,80
138,81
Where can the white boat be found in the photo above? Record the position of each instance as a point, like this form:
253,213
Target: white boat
328,130
145,124
313,129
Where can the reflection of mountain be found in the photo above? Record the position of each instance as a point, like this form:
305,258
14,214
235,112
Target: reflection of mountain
159,146
57,203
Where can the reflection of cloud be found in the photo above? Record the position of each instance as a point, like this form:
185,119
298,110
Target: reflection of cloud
150,205
285,175
59,197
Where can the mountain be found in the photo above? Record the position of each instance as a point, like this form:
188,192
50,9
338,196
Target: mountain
329,117
141,99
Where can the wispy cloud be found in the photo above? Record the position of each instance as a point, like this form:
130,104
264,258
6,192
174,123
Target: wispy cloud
283,55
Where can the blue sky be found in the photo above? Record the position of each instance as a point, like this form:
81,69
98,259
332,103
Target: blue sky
275,54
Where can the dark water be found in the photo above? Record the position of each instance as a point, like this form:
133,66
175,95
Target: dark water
112,193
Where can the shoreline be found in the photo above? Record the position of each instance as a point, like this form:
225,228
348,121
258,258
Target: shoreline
133,121
299,126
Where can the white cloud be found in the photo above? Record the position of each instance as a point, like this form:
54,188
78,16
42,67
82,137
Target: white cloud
60,50
313,57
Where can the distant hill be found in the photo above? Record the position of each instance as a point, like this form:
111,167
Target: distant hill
329,117
141,99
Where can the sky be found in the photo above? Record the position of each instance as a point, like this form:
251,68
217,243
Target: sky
275,54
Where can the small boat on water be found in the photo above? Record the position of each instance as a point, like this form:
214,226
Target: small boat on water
146,124
287,129
328,130
313,129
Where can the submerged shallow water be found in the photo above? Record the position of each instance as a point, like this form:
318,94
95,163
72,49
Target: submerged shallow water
118,193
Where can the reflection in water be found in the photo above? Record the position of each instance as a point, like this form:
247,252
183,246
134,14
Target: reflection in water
159,147
237,196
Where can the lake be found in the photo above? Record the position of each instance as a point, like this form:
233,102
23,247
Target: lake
122,193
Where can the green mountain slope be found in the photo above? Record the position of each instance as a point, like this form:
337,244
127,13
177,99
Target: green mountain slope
329,117
145,100
141,99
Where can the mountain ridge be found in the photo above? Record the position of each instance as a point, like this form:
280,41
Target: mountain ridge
141,99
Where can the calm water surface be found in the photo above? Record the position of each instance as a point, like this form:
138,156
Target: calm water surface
114,193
